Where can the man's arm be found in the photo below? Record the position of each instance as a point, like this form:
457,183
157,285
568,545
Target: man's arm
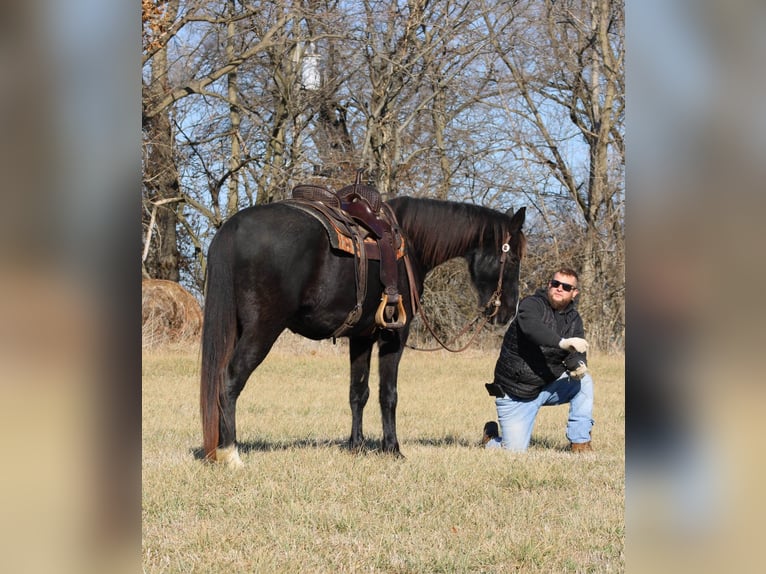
531,324
577,363
530,320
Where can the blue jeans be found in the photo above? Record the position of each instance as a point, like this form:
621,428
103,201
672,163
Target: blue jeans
517,416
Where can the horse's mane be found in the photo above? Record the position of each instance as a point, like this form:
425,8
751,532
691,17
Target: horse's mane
442,230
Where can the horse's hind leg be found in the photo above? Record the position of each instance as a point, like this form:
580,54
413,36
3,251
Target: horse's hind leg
390,354
249,352
360,351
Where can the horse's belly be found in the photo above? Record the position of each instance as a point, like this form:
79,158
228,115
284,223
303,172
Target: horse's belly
330,301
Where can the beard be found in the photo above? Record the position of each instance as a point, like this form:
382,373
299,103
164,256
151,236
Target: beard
557,304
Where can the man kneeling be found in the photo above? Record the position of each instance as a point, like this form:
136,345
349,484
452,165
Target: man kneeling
543,362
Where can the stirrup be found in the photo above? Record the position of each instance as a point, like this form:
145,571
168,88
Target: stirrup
401,314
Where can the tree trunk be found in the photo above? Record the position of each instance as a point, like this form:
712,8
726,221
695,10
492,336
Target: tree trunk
161,180
232,201
438,115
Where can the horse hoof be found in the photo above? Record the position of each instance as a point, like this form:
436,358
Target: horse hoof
229,456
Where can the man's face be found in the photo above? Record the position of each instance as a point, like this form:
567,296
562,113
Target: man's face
558,296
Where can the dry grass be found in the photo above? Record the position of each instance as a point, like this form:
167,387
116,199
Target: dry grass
303,503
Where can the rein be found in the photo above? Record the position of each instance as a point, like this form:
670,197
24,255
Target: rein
490,309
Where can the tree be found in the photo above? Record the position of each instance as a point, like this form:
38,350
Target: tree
161,186
187,30
565,65
493,102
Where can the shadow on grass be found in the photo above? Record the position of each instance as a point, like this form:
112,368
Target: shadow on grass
448,440
273,446
370,446
548,444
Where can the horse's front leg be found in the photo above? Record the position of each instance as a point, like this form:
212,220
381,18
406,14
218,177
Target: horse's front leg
360,351
391,347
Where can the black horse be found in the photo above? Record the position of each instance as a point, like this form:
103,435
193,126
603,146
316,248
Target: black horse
272,268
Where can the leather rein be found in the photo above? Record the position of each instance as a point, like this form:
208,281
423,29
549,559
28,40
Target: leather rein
490,309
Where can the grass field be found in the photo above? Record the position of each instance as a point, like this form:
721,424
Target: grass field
303,503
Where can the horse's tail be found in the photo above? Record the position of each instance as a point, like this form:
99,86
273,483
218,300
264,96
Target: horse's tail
219,333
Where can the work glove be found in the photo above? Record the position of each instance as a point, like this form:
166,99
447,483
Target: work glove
574,344
579,372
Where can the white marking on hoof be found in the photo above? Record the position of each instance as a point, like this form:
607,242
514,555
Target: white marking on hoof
229,456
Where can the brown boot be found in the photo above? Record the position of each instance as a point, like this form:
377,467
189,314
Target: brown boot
580,447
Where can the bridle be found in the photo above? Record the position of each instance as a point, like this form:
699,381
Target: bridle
494,300
488,312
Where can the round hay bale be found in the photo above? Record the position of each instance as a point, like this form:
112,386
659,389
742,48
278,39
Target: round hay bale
169,314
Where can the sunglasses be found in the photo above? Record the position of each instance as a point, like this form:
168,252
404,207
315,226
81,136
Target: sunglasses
565,286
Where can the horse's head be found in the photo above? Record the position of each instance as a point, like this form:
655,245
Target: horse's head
495,269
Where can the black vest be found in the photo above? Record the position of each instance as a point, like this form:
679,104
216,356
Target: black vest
523,367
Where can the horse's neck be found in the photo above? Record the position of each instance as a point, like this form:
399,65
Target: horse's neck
435,254
435,231
447,256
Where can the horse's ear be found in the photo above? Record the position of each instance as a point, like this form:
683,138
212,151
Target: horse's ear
517,219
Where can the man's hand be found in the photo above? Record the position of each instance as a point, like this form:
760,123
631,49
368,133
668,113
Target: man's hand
579,372
574,344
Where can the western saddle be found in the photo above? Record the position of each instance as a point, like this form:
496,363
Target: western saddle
358,222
